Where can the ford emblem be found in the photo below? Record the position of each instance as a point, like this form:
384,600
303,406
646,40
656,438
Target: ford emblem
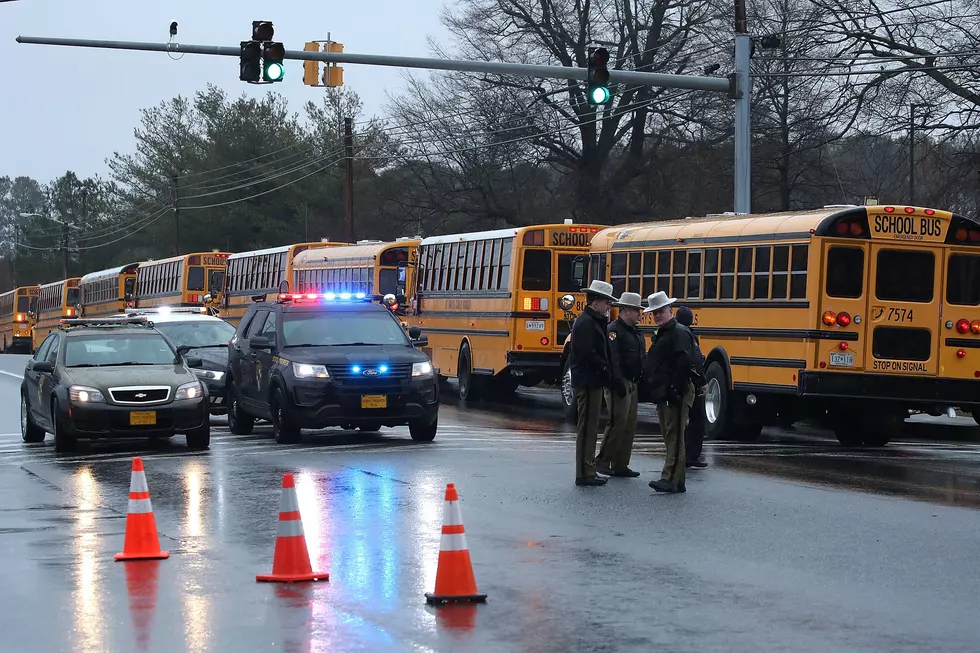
370,372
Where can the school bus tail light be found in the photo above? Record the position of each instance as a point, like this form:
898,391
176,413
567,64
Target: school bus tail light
843,319
829,318
975,326
963,326
843,346
535,303
534,237
20,318
544,342
961,353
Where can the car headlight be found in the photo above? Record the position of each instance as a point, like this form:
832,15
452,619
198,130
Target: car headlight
192,390
422,370
209,375
308,371
84,395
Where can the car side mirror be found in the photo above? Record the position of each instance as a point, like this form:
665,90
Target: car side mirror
194,362
414,332
422,341
183,349
260,342
43,367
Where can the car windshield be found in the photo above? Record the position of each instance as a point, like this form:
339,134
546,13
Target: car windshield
331,330
109,349
198,333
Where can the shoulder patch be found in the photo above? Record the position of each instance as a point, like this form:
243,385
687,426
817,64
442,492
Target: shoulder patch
612,335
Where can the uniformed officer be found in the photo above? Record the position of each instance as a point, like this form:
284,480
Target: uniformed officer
589,365
672,370
626,364
697,420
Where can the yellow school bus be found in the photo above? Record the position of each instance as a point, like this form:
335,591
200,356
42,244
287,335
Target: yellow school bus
109,292
488,303
186,280
55,302
16,320
372,267
257,273
851,314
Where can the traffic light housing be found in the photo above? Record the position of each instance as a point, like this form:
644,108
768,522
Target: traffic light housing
249,64
272,58
311,69
333,75
598,77
262,30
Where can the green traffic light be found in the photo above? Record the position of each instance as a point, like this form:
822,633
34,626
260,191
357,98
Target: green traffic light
274,72
599,95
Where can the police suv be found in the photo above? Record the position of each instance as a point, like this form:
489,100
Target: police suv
335,359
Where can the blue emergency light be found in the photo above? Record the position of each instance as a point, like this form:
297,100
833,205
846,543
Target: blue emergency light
316,297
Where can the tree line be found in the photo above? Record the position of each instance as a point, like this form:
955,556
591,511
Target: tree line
835,101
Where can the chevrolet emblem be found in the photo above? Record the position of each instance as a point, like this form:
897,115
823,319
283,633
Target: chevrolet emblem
141,395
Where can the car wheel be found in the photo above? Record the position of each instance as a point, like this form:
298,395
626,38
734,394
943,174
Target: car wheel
29,431
238,422
200,439
422,432
286,432
63,441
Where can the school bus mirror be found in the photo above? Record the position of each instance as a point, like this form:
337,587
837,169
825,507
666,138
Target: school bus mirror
578,271
566,303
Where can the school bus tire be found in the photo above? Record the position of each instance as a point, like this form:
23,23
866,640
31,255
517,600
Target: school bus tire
569,406
469,384
719,424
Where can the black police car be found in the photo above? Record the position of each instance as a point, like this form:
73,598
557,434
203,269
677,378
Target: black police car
312,361
111,378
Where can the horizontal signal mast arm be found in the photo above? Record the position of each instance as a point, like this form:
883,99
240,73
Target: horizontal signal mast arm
692,82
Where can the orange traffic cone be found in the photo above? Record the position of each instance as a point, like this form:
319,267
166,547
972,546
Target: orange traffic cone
141,542
454,575
291,560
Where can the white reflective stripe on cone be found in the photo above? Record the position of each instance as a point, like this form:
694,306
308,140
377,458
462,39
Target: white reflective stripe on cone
452,542
137,483
450,514
139,506
291,528
289,502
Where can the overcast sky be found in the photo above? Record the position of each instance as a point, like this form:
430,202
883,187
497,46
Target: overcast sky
70,108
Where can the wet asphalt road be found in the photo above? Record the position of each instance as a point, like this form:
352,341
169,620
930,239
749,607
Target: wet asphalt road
788,544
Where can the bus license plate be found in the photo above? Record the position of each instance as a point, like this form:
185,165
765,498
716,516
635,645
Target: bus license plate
147,418
534,325
374,401
842,360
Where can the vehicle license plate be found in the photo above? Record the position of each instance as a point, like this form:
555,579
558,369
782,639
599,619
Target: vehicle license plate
842,360
534,325
374,401
147,418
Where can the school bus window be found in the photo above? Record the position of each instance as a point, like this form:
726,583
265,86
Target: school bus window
901,343
508,244
711,274
23,304
845,272
617,275
905,275
468,270
743,284
728,273
663,271
680,264
797,283
761,283
195,278
649,273
962,280
633,276
566,274
780,271
74,296
694,274
537,270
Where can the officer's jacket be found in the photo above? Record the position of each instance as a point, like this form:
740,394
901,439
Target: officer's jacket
589,360
626,350
673,362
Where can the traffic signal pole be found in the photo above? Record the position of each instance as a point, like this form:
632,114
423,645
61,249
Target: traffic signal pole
736,86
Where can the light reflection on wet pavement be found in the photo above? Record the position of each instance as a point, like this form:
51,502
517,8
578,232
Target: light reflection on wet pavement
790,543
